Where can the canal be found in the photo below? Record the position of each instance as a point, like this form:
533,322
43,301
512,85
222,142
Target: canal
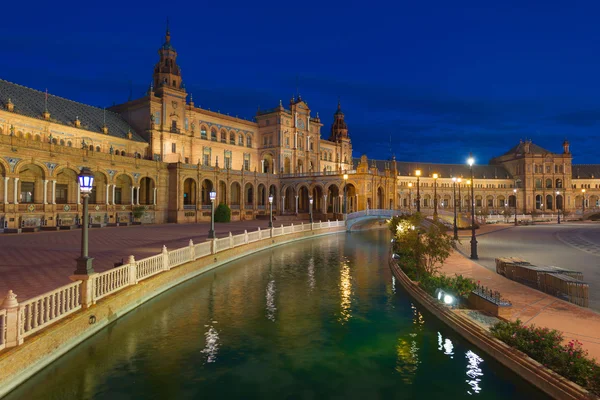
317,319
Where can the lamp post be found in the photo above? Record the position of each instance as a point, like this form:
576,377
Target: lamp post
582,203
409,196
86,184
558,208
459,180
471,161
418,174
515,192
310,200
435,214
455,227
211,231
345,197
271,209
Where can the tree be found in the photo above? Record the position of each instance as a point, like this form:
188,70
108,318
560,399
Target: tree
222,213
507,213
138,212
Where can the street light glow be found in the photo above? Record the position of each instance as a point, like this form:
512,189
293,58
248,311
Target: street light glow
435,176
418,172
471,161
345,177
213,195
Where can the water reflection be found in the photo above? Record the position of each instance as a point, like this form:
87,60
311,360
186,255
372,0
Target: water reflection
311,273
271,300
393,284
345,293
407,361
445,345
473,371
212,344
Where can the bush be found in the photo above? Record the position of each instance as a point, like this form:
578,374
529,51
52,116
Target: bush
545,346
222,213
457,285
138,212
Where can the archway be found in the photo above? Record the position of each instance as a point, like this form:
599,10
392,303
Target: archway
123,185
300,168
249,190
290,200
303,201
317,195
559,202
287,166
333,199
273,192
351,198
206,188
147,191
267,164
66,187
549,201
222,193
262,196
30,185
189,192
538,202
512,201
236,195
98,195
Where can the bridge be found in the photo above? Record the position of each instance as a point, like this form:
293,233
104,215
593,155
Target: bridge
589,213
360,217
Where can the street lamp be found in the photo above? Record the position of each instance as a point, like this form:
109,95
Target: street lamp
310,200
345,197
515,192
582,203
409,195
455,227
271,207
86,184
418,174
471,161
435,214
557,208
459,180
213,197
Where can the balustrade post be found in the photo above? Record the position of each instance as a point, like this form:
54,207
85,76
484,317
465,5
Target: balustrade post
213,246
230,240
87,288
245,236
132,271
11,305
259,234
165,254
192,252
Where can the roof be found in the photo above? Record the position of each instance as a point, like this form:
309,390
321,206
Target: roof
533,149
584,171
443,170
30,102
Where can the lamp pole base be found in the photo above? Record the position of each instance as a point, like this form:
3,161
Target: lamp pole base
211,234
474,249
84,266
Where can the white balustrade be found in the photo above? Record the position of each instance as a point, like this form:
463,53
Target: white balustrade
36,313
253,236
239,240
149,266
202,249
278,231
179,256
110,281
222,244
3,329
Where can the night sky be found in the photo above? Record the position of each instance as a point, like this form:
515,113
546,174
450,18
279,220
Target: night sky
440,78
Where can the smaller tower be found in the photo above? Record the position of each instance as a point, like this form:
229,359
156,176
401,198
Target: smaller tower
339,135
566,147
166,71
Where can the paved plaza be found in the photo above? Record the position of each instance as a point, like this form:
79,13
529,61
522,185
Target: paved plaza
34,263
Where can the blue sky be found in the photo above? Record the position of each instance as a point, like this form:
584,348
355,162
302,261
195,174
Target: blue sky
440,78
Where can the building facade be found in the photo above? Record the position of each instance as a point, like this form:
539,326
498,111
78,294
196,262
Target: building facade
163,155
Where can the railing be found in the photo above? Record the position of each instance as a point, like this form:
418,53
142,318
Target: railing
2,329
375,213
41,311
179,256
36,313
149,266
110,281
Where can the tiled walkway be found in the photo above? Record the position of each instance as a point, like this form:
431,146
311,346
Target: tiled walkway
530,305
34,263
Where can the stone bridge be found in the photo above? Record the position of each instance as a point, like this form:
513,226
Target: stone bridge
589,213
361,217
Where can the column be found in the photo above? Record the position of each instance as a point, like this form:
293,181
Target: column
16,191
296,204
45,181
138,196
107,190
324,204
6,178
78,193
113,194
54,192
132,191
282,204
155,192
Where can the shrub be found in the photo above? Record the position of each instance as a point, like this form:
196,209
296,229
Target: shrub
222,213
457,285
545,346
138,212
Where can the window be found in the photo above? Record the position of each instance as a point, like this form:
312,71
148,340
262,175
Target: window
91,147
62,142
490,202
173,147
206,159
61,193
174,126
98,149
118,195
246,162
538,183
548,169
227,158
248,141
548,183
240,139
27,192
223,137
203,132
213,135
69,144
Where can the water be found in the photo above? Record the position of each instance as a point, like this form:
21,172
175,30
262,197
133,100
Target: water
318,319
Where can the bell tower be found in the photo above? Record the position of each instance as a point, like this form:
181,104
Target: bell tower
166,71
339,135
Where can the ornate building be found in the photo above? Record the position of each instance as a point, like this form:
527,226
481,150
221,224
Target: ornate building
164,155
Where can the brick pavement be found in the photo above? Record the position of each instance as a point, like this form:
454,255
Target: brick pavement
529,305
34,263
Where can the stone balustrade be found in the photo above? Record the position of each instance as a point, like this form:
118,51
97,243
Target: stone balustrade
18,321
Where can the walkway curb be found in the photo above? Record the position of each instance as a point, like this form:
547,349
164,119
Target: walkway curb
535,373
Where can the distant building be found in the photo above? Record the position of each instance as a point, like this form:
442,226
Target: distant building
162,154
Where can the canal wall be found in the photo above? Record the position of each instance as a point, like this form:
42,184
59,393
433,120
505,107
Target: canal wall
535,373
88,306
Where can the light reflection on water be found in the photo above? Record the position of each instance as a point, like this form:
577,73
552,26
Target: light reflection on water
316,319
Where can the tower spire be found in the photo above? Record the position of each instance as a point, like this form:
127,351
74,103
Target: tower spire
168,33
